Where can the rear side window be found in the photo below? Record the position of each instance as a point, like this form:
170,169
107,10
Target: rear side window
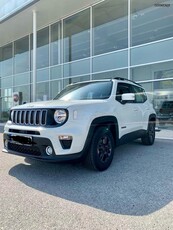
140,95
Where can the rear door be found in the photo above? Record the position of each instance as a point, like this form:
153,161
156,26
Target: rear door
130,113
142,106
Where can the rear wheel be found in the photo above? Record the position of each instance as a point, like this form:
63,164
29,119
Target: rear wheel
149,138
102,149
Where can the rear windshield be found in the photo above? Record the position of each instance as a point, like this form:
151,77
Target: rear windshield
86,91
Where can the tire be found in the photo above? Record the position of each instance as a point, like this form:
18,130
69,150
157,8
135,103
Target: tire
101,150
149,138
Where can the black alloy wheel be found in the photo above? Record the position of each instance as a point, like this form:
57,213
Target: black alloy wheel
102,149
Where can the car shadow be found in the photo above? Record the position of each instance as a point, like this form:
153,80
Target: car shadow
139,181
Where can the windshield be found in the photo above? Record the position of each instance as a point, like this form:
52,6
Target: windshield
86,91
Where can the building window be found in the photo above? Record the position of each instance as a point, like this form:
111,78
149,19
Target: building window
110,26
55,88
21,55
42,91
151,21
6,60
55,45
43,48
77,36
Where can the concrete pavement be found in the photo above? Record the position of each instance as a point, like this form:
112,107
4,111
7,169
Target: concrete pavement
135,193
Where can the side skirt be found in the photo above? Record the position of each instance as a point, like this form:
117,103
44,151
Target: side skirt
131,137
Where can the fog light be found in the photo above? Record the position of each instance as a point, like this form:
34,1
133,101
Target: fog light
49,150
65,141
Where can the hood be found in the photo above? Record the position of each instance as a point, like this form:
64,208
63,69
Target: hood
57,104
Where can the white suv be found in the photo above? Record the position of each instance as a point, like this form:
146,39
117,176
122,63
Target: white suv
85,121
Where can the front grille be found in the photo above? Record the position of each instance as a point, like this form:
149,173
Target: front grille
29,150
29,117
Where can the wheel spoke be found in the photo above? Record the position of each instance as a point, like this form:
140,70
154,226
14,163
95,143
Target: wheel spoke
104,148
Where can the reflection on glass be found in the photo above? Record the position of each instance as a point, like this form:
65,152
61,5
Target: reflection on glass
21,79
55,44
55,88
56,72
77,36
77,68
25,90
110,26
6,82
12,6
43,75
43,48
21,55
86,91
151,20
42,91
6,60
111,74
68,81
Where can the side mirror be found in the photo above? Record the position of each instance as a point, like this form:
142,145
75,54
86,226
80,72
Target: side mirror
128,97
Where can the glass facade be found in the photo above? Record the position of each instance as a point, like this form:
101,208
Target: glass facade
10,7
126,38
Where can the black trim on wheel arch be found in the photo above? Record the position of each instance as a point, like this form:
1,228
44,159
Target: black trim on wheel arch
109,121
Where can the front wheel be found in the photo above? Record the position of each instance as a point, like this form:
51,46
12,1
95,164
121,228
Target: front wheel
102,149
149,138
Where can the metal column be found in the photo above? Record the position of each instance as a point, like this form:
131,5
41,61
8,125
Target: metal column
34,54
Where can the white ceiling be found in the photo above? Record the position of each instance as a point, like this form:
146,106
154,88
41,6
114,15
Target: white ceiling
48,11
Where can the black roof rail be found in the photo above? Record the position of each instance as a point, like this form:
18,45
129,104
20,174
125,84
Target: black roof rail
125,79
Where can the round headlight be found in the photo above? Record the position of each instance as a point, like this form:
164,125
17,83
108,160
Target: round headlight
60,116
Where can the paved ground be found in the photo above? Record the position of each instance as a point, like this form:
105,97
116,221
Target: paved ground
135,193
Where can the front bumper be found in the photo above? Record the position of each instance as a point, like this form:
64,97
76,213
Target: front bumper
34,147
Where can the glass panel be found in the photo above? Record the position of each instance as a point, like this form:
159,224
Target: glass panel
5,105
12,6
156,52
55,88
43,48
42,91
152,72
22,79
111,74
6,82
55,44
77,36
77,68
68,81
110,61
110,26
56,72
21,55
151,20
43,75
6,60
161,95
7,92
25,92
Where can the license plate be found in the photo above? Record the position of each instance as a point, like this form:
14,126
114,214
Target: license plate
21,139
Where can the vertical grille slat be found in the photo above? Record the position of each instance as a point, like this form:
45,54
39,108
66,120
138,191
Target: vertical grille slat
29,117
